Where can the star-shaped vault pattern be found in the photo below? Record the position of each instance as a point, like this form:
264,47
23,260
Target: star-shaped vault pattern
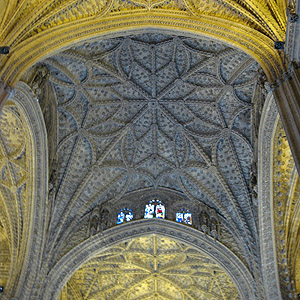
154,111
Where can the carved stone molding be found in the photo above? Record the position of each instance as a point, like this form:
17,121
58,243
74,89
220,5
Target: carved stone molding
265,195
26,100
292,46
52,26
287,94
64,269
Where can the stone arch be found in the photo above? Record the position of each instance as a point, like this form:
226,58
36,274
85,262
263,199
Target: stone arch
79,255
30,231
268,124
49,41
278,187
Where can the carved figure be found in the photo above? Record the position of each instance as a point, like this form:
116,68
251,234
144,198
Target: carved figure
39,79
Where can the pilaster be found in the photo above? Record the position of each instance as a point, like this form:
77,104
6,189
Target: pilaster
287,96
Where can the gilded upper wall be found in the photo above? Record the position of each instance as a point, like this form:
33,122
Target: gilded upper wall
34,29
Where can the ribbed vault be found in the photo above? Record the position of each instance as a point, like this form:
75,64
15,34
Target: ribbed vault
155,97
150,267
250,25
152,111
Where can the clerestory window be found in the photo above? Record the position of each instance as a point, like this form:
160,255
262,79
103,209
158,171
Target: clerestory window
125,215
184,216
155,209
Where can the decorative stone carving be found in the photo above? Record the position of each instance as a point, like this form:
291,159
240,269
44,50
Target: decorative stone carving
152,112
286,212
292,14
209,222
39,79
104,216
265,194
92,247
148,266
24,184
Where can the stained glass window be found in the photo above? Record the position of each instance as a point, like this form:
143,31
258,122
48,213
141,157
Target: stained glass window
125,215
184,216
154,209
149,210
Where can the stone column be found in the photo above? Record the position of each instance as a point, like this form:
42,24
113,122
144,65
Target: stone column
287,96
5,94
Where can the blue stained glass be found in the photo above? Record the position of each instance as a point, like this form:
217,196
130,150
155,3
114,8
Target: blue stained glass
129,216
179,217
149,211
121,217
184,216
125,215
188,218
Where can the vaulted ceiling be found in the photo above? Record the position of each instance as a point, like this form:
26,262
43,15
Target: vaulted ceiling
152,111
27,25
143,110
151,267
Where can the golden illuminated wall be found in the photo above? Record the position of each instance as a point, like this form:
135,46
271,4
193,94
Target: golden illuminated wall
22,183
15,149
286,195
34,29
4,257
150,267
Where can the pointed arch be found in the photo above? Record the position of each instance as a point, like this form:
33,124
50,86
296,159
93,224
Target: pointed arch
79,255
50,40
268,124
29,230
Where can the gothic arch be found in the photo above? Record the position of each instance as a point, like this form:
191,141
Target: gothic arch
278,209
54,34
268,124
79,255
32,206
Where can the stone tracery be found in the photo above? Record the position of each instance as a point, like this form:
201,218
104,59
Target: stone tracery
152,267
153,111
261,23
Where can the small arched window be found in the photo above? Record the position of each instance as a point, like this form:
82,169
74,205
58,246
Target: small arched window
155,209
125,215
184,216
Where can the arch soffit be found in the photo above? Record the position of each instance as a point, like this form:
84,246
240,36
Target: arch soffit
82,253
268,125
48,41
26,101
